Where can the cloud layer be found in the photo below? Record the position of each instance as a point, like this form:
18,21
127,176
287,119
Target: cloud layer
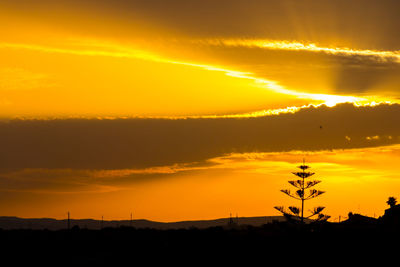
143,143
360,22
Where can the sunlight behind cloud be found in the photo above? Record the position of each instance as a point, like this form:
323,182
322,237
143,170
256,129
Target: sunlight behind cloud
102,50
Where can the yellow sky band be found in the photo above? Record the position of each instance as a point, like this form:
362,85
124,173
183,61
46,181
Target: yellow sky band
326,99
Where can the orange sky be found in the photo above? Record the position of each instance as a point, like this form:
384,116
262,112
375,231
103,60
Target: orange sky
196,109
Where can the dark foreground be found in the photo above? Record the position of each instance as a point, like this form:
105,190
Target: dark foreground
283,243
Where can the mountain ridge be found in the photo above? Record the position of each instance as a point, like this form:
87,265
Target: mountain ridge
13,223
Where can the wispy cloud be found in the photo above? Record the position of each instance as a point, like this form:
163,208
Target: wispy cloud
329,162
300,46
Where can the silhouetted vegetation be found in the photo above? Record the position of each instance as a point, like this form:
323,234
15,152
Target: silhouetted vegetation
392,201
300,194
355,239
128,245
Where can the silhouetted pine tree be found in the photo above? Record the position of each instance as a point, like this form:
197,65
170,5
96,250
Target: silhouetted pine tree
301,194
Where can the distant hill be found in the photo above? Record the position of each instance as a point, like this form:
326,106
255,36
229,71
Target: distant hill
9,223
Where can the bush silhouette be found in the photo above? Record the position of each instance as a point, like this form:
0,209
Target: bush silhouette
392,201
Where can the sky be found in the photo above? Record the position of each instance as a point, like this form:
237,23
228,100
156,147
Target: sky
188,110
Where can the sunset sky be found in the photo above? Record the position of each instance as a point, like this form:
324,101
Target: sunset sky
195,109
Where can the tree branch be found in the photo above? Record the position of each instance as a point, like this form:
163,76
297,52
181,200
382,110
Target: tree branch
287,192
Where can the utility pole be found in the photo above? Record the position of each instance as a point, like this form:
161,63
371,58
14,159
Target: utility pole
68,222
230,219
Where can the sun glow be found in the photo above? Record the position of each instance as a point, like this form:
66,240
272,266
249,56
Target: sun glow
105,49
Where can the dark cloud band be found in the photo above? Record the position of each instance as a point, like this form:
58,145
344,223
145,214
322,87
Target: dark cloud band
141,143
